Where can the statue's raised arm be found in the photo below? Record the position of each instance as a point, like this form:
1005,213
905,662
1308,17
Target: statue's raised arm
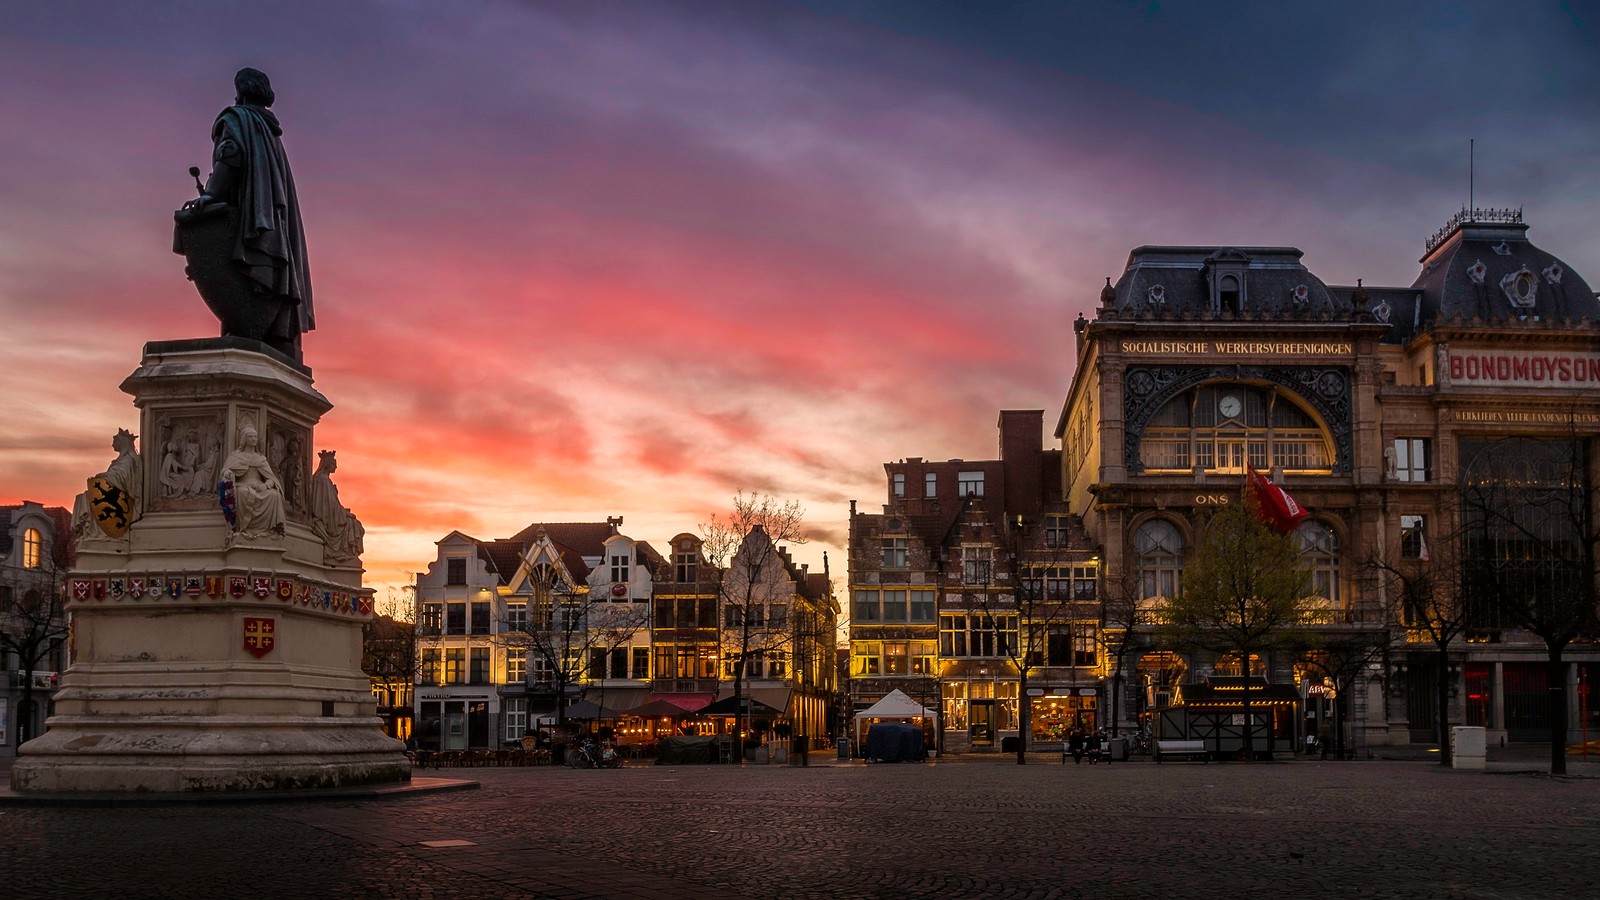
242,238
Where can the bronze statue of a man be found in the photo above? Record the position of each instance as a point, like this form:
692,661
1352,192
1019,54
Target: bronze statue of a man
242,236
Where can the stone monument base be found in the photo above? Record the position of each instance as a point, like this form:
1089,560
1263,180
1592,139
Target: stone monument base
206,657
176,754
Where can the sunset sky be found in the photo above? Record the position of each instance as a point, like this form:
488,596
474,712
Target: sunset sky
579,259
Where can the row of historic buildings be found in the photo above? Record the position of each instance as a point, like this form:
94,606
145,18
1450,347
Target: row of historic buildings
1441,435
511,630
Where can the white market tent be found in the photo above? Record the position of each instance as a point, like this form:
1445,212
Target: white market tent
894,707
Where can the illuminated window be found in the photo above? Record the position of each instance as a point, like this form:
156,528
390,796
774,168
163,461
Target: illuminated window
516,667
1225,427
976,634
866,658
455,659
32,549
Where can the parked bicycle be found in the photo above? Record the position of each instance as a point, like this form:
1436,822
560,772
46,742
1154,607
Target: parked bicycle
589,755
1139,743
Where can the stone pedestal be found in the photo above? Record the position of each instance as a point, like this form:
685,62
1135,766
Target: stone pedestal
204,658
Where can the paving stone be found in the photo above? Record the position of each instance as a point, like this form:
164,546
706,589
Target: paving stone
1367,829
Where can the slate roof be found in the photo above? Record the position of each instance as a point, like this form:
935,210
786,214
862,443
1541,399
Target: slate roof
1453,284
5,529
1162,282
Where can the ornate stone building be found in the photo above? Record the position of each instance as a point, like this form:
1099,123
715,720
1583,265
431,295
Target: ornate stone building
1447,429
1369,405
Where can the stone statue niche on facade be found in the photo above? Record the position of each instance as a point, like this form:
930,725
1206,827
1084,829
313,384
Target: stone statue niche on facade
242,236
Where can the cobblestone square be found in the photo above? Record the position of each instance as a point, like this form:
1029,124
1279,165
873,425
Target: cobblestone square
949,829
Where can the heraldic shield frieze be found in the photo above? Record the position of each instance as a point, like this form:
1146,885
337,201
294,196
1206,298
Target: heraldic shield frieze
260,635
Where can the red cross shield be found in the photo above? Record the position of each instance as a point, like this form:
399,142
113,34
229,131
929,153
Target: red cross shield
259,635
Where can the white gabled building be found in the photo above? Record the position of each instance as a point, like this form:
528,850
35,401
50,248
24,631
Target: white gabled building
510,629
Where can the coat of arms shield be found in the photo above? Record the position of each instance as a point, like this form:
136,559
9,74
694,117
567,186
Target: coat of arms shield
259,635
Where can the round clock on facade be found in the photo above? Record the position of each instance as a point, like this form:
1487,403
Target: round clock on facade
1229,406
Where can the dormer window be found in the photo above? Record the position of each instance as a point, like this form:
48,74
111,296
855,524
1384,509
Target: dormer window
1228,293
1225,274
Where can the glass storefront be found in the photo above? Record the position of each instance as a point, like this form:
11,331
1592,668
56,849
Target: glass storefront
1053,716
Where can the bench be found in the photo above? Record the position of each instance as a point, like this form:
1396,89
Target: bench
1186,749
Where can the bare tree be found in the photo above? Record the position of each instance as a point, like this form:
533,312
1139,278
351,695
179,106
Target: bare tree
753,587
33,627
612,627
1120,621
1041,599
1427,600
1245,592
389,650
1528,542
554,631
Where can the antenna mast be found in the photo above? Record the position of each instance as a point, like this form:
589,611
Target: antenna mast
1471,173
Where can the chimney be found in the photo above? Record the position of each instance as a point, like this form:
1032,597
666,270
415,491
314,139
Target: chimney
1022,460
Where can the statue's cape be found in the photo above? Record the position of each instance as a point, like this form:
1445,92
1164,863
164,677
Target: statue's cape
271,244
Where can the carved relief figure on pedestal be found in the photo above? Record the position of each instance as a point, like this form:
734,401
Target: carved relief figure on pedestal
189,460
332,521
251,496
113,501
286,452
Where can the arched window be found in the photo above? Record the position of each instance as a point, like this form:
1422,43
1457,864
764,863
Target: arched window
1158,558
32,549
1224,427
1319,548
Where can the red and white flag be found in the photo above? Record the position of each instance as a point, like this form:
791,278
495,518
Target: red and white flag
1273,505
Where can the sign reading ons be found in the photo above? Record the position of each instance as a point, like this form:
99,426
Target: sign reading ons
1524,368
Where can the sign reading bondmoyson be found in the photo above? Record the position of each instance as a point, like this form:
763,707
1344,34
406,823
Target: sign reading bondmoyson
1524,368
